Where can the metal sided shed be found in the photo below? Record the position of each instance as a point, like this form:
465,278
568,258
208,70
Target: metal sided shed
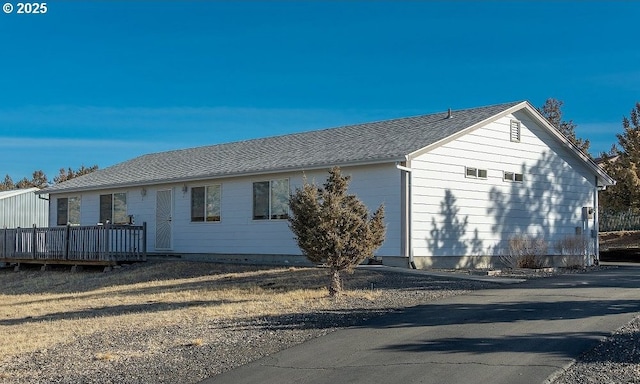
23,208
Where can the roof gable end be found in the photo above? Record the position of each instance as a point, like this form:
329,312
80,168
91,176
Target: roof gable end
376,142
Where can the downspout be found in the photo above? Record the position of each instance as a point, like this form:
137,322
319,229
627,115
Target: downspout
47,198
596,224
407,250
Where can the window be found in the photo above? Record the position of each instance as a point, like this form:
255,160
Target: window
512,176
271,199
113,208
476,173
205,203
68,210
515,131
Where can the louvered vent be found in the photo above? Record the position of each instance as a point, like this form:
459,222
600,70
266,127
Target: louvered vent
515,131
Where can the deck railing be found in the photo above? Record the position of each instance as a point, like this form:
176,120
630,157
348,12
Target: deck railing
97,243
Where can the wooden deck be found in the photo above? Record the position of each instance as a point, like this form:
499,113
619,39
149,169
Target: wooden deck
89,245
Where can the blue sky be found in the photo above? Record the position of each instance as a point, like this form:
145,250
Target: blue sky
102,82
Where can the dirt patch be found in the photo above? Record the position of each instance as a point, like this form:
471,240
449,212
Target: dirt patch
619,239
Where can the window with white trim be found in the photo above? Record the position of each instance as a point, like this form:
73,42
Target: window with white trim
515,131
68,210
513,176
475,173
271,199
205,203
113,208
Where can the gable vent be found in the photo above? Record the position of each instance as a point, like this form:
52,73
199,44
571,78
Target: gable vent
515,131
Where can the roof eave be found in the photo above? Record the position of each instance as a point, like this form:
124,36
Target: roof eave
604,180
21,191
310,167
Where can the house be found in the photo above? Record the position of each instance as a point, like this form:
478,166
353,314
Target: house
23,208
601,160
456,186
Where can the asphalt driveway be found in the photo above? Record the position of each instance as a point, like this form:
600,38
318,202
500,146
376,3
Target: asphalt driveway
519,333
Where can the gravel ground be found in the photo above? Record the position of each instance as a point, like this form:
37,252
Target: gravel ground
614,360
164,356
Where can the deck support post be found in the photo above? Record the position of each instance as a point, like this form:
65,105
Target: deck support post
34,239
144,241
67,232
107,240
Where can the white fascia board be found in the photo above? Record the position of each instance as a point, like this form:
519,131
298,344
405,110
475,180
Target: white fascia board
603,178
465,131
147,183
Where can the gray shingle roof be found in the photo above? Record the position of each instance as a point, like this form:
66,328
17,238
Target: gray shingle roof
380,141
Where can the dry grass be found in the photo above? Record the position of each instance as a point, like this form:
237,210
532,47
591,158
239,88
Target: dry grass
41,309
105,356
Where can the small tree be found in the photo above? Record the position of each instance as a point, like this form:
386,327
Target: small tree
38,180
623,164
7,184
334,227
69,174
552,111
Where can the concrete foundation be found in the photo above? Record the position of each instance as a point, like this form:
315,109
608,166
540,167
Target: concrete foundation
270,259
481,262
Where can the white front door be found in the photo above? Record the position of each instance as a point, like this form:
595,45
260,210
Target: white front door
163,219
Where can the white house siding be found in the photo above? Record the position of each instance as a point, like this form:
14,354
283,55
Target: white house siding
237,232
464,221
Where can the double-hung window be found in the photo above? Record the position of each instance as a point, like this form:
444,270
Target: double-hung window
68,210
271,199
113,208
205,203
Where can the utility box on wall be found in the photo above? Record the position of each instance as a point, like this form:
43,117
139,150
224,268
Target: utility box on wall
587,213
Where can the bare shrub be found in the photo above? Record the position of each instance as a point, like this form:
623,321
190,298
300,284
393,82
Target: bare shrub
573,249
525,252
